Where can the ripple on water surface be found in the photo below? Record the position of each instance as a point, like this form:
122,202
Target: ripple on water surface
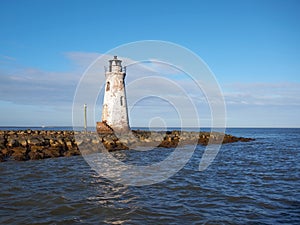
254,182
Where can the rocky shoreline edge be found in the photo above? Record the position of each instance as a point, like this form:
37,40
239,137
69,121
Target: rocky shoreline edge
22,145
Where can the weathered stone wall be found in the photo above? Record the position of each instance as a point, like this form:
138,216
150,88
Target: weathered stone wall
32,145
29,144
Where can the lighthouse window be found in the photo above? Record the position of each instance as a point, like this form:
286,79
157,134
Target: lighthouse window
107,86
121,100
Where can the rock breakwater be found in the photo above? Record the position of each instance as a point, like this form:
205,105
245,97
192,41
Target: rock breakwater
25,145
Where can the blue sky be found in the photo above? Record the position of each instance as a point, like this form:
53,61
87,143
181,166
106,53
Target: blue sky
253,48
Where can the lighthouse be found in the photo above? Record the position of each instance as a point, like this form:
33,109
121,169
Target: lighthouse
114,112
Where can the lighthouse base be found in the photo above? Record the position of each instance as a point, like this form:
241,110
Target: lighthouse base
104,128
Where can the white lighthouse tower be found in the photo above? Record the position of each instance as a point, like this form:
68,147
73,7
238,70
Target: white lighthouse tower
114,112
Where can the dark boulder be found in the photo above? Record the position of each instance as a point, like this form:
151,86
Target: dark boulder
20,154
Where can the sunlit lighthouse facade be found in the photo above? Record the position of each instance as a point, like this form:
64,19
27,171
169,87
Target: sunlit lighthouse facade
114,112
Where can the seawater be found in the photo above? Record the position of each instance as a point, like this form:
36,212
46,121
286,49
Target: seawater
248,183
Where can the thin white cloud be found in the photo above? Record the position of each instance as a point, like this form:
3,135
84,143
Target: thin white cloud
263,94
82,59
6,58
30,86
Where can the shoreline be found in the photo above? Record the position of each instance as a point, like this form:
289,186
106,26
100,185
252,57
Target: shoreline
23,145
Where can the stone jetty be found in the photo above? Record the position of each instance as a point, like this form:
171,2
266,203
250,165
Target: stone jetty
25,145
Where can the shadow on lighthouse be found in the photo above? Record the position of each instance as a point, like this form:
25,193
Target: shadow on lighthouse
114,112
